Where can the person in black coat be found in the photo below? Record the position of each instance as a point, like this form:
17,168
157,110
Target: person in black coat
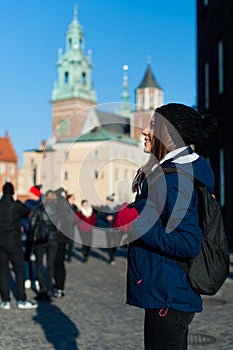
65,236
11,213
106,216
69,249
44,225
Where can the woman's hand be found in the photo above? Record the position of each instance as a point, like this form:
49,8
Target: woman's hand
125,217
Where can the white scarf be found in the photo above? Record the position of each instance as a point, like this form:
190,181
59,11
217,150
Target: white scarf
86,211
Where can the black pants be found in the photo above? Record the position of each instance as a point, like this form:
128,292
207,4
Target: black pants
69,250
166,329
111,253
59,266
86,237
112,241
14,254
44,274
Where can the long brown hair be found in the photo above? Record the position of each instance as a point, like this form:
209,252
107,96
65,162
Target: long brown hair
161,142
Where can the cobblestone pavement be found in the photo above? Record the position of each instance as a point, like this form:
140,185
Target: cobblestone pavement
93,314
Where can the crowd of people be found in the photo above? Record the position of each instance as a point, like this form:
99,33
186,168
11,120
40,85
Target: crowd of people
37,237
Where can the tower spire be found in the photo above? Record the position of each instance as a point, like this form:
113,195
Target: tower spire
74,67
124,110
125,76
148,94
75,12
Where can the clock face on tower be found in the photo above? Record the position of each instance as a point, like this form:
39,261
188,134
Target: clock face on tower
63,127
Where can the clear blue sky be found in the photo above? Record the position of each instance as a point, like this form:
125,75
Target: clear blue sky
118,32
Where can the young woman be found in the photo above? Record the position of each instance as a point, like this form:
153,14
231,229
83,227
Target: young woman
162,225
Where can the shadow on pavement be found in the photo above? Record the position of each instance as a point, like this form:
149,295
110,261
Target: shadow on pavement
99,253
59,330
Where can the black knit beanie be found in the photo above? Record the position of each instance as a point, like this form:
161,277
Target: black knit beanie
191,126
8,188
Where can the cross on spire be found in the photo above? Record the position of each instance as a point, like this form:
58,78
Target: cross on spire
75,12
125,76
148,59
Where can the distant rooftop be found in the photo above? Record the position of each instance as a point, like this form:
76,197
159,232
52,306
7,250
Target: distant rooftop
113,122
100,134
149,80
7,152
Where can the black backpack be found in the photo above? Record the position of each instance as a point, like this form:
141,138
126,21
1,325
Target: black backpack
208,271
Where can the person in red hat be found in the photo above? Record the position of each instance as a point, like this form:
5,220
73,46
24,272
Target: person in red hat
35,191
33,202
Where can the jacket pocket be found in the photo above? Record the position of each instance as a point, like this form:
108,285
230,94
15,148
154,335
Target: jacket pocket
137,292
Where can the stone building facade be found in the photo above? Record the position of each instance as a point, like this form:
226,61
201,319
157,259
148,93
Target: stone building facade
8,162
90,153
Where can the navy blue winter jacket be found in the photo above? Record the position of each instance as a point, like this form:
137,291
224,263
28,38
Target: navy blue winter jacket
167,230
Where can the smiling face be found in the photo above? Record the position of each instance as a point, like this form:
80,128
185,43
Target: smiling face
157,138
148,134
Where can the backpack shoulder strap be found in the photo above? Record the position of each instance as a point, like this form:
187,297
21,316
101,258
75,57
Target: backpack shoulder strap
170,170
186,265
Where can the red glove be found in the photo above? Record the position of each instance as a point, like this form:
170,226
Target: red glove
125,217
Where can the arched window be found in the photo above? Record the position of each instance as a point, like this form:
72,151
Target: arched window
2,168
70,43
66,78
84,79
151,99
81,44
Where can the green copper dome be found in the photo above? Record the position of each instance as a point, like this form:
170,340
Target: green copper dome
74,67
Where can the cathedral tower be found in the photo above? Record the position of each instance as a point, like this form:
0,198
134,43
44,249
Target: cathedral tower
149,95
73,93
